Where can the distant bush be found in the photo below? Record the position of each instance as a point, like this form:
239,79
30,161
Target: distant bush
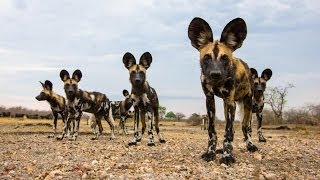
201,120
309,115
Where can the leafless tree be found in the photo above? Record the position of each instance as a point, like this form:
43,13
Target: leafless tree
180,115
276,97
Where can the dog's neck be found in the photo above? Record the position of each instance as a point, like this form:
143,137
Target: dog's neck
258,98
140,89
55,100
78,94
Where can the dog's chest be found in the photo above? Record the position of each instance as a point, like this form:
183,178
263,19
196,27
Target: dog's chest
56,108
78,104
142,99
258,104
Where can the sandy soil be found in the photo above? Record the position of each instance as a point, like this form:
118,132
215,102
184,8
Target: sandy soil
27,153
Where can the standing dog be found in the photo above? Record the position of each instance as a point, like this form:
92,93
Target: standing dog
145,99
120,109
258,88
57,104
79,101
225,76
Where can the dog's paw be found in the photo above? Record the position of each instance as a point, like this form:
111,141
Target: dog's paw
138,139
51,136
262,139
227,160
208,156
132,143
219,151
251,147
59,138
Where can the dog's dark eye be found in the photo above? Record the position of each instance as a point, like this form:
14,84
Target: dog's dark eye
206,58
225,58
256,84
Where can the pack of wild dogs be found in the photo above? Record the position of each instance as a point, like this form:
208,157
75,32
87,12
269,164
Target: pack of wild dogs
222,75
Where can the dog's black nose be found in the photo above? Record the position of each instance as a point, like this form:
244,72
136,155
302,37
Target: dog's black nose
215,74
138,81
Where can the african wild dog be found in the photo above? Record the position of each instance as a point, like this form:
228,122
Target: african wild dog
145,99
258,88
79,101
120,109
225,76
57,104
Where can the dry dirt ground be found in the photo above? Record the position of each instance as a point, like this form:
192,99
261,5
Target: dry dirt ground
27,153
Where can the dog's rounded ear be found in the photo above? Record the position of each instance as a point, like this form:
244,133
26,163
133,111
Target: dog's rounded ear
234,33
199,33
125,93
77,75
64,75
145,60
254,73
266,74
48,85
128,60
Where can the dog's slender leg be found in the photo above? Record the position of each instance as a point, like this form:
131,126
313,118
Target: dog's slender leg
143,122
100,128
246,124
156,124
212,141
77,126
54,126
110,121
136,125
65,126
150,128
260,135
229,112
93,124
120,126
124,126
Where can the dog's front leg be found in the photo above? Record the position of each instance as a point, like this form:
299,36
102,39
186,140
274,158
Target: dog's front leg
246,124
150,128
136,125
66,125
229,112
212,141
110,121
54,126
260,135
77,125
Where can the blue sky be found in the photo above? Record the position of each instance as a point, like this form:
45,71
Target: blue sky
38,38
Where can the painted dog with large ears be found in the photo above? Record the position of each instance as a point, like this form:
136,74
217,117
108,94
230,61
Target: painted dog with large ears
79,101
145,99
258,87
224,76
57,104
121,110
